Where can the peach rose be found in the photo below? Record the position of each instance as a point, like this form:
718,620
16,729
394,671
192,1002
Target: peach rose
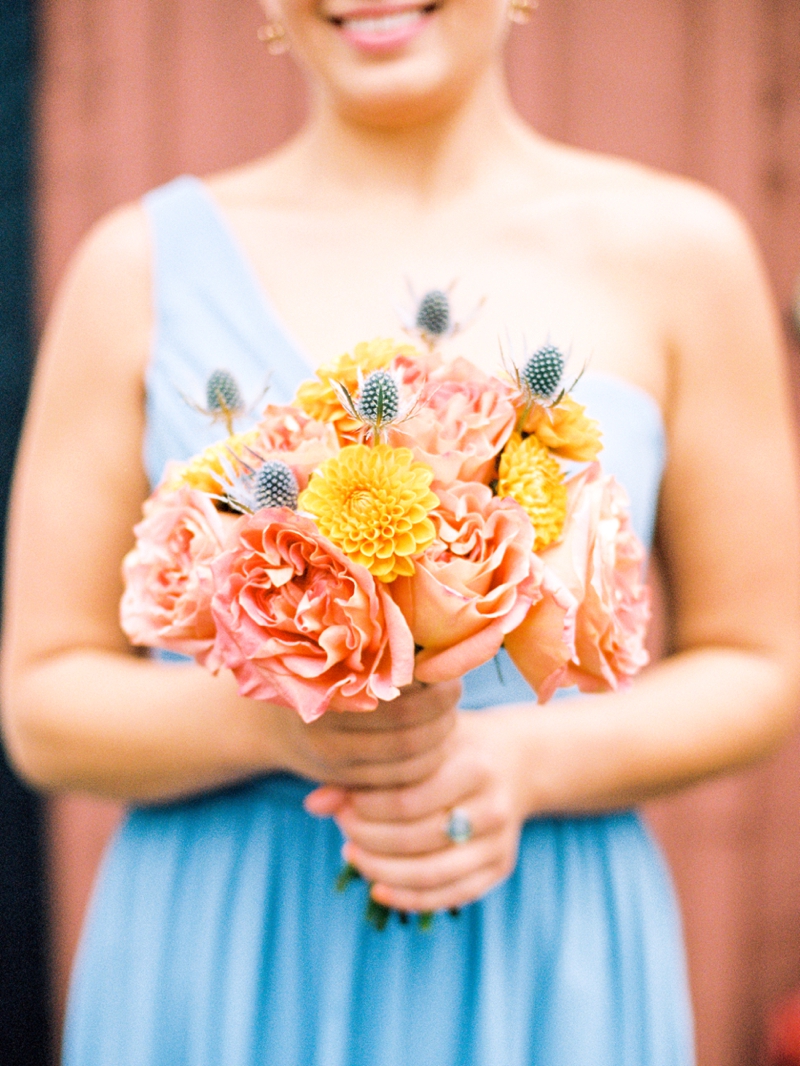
600,560
287,433
463,420
301,625
412,370
474,584
168,581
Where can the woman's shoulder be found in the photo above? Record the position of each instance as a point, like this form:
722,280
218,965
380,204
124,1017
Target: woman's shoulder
677,248
112,260
645,212
103,303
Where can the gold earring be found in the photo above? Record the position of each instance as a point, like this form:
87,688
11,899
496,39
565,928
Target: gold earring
520,11
273,35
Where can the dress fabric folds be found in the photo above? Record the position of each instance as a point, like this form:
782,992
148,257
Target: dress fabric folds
215,936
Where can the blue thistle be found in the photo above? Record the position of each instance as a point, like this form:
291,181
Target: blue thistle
275,485
433,313
542,373
222,392
379,402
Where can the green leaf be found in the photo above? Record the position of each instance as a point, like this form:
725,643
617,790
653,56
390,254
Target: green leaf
377,914
347,875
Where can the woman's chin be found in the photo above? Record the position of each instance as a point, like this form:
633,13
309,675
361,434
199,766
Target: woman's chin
395,103
405,93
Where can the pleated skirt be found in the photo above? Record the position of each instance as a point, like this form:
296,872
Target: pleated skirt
216,938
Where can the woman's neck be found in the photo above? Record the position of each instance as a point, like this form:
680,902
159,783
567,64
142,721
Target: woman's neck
336,156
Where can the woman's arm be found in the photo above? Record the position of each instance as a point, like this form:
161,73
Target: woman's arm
80,711
729,526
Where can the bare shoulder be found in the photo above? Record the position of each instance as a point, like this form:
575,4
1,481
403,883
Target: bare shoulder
671,245
104,301
648,216
120,237
114,256
692,251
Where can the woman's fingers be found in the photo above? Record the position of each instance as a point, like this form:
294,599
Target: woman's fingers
377,775
447,878
427,872
349,751
415,705
397,836
425,835
325,801
457,894
352,748
454,780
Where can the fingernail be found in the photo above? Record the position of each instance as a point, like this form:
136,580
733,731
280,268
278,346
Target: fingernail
323,801
381,894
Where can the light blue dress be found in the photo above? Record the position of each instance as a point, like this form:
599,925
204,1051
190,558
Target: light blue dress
215,937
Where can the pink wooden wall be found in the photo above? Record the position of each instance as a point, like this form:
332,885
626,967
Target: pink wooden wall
132,94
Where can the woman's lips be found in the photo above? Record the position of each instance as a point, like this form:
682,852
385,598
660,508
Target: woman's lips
376,30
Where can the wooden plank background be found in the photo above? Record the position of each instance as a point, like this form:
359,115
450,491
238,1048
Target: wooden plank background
132,94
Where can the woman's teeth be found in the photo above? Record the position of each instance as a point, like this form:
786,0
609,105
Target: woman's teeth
383,23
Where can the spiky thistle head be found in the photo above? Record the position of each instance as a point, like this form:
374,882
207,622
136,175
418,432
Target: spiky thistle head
248,482
433,313
543,372
222,393
379,402
274,485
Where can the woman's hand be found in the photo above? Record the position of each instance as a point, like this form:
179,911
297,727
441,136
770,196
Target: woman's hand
399,744
397,837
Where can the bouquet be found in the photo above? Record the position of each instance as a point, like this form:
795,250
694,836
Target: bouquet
405,517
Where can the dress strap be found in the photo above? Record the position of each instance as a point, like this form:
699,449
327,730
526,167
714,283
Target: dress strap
209,313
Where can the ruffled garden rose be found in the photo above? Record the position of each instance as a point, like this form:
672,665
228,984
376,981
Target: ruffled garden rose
601,561
474,584
412,370
463,420
287,433
301,625
168,580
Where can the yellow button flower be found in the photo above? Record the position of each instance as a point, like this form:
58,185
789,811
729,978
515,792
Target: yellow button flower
205,471
373,503
530,475
318,398
565,429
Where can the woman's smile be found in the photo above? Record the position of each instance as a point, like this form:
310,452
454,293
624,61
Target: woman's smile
382,28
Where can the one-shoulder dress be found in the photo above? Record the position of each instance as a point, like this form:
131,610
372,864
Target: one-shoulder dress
215,936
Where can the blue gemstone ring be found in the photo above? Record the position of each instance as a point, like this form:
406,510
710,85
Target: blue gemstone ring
459,826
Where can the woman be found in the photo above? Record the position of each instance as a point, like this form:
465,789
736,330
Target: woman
215,936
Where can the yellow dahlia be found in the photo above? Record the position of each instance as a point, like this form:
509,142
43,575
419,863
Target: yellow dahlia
530,475
373,503
318,398
205,471
565,429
